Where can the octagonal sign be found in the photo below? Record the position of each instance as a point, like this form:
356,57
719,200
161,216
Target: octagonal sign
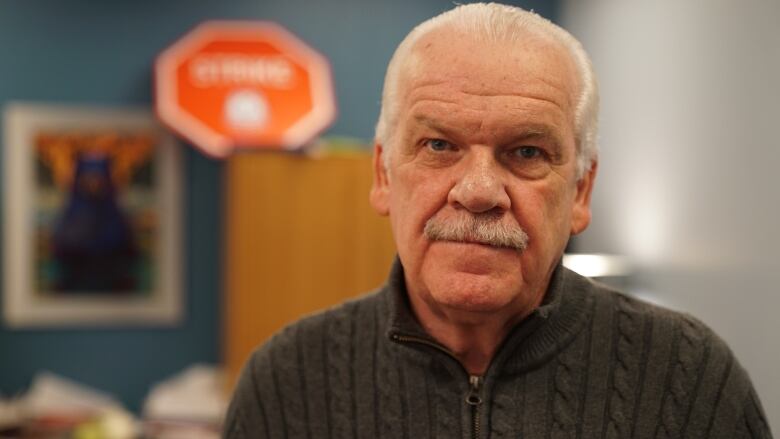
229,84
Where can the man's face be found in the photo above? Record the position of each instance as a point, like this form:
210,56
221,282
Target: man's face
483,131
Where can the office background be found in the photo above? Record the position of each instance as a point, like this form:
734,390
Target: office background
685,190
85,52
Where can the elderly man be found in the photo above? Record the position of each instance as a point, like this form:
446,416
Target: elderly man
485,159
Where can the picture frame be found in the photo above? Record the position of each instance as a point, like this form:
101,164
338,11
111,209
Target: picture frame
92,218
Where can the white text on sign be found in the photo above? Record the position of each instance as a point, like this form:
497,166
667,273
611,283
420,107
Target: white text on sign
227,69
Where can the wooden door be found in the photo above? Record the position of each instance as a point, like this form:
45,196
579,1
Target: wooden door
300,237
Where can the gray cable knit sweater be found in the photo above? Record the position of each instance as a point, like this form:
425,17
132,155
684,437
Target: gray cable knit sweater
589,363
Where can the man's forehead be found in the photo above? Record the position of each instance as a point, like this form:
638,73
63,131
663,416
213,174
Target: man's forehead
532,64
448,42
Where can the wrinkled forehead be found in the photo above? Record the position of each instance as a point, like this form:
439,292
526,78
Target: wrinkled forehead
529,62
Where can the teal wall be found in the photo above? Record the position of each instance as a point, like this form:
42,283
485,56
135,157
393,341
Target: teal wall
101,52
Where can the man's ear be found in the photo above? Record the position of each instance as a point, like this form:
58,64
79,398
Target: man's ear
580,215
379,197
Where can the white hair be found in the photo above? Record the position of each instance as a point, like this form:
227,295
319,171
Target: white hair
494,22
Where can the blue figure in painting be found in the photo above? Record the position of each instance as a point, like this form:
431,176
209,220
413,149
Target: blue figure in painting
93,241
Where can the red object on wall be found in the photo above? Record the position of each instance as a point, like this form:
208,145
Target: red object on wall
239,84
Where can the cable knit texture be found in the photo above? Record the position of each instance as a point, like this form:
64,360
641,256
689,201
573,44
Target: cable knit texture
589,363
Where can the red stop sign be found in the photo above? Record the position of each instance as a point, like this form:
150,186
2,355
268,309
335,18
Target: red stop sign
243,84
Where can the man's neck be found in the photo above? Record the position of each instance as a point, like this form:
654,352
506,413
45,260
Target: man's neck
474,338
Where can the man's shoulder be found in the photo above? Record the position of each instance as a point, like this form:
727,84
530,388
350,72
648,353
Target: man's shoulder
339,324
657,323
299,363
654,320
680,364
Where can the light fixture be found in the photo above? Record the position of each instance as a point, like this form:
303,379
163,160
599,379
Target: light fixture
597,265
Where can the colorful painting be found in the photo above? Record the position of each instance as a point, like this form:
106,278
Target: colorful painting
91,207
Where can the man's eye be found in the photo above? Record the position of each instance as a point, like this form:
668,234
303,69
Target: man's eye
528,152
438,144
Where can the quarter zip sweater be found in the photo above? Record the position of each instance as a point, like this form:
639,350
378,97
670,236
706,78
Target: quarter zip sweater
588,363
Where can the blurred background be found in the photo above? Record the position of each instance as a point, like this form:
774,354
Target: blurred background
684,195
689,147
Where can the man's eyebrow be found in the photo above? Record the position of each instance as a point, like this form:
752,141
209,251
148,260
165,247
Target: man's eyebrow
440,127
522,132
535,132
523,129
538,129
430,122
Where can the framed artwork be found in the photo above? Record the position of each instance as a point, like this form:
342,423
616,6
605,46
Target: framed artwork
92,218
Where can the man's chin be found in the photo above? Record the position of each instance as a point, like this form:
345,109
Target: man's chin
470,292
473,301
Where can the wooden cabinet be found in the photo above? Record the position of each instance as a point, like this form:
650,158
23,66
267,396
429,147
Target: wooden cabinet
300,237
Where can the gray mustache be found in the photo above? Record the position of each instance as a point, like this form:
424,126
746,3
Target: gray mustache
483,228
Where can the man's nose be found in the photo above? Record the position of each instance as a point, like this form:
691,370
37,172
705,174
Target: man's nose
480,187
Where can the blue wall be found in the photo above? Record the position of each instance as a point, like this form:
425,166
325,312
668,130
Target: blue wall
101,52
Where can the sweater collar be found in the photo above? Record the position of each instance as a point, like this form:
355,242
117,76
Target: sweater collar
543,333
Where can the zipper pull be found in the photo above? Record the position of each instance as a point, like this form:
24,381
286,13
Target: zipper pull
473,398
